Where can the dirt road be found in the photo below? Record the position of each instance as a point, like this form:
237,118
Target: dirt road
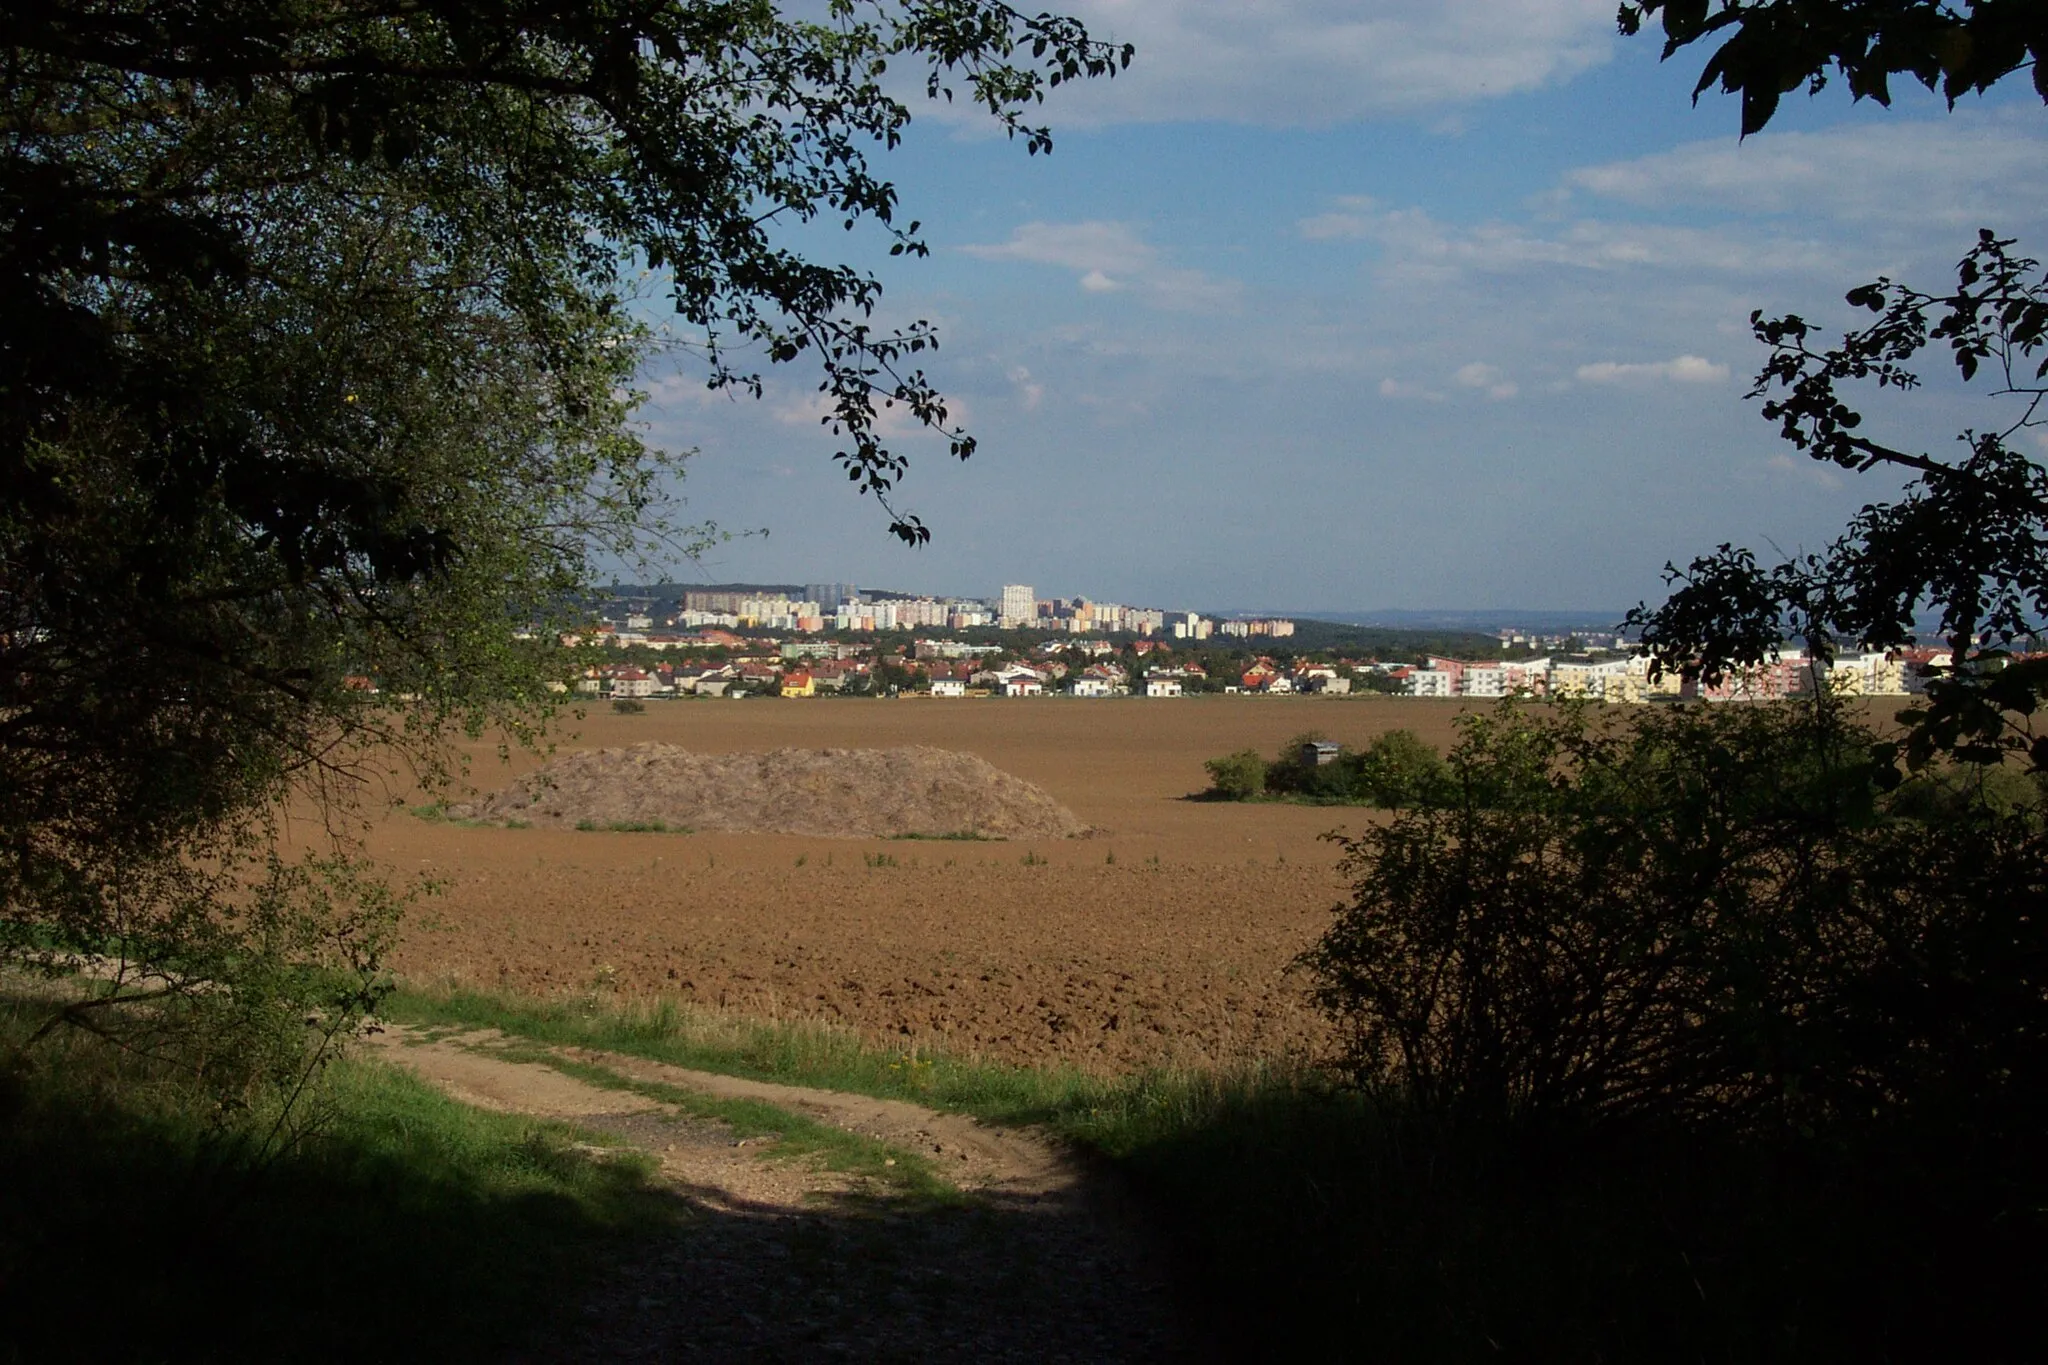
1036,1258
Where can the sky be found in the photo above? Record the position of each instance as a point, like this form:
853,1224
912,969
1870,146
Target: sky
1422,304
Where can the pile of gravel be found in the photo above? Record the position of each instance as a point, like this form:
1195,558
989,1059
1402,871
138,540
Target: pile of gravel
836,793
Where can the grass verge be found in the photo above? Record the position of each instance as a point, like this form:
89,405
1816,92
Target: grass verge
138,1223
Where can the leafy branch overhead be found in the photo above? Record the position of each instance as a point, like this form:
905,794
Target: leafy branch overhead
1769,48
1966,537
680,130
318,344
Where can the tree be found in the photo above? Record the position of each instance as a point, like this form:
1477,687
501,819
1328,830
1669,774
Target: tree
1969,537
1770,47
318,331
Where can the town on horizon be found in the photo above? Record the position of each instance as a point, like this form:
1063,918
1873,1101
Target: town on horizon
823,638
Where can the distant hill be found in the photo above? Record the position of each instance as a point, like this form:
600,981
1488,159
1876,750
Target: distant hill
1599,620
673,591
1379,642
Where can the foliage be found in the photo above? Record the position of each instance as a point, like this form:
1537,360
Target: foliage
1237,777
1399,768
1966,536
629,706
1700,919
318,337
1770,47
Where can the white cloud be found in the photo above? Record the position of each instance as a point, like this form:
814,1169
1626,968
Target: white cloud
1488,378
1418,245
1961,171
1323,62
1029,393
1685,369
1109,258
1355,217
1783,466
893,421
1401,388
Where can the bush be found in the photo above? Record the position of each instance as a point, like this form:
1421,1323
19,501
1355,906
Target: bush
1699,917
629,706
1687,989
1399,769
1237,777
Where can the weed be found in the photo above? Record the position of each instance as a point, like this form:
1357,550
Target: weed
802,858
1109,858
955,836
1031,859
439,813
633,827
874,860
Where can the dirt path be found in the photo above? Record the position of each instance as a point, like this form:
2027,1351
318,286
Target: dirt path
782,1259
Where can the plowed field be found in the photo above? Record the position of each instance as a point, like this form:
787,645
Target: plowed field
1164,937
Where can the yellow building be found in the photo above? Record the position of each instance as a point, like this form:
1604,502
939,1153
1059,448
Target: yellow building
799,684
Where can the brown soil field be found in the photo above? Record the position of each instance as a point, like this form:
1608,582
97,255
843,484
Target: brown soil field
1163,938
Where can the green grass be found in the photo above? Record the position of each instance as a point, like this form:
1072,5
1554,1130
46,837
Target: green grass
436,813
905,1175
957,836
137,1223
800,1053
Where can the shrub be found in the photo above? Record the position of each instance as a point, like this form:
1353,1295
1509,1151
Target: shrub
629,706
1237,777
1695,917
1398,769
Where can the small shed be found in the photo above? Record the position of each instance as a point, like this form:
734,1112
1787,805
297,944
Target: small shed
1318,752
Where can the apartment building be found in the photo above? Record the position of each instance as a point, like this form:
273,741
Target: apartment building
1019,606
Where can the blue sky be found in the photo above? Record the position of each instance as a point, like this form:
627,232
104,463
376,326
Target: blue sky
1392,303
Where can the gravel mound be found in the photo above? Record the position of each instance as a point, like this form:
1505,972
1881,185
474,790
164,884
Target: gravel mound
836,793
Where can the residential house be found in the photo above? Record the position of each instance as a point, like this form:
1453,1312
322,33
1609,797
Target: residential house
634,682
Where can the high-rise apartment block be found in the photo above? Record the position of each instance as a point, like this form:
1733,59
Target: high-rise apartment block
831,596
1020,606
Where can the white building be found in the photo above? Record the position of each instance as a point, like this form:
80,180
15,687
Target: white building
1590,678
1020,605
948,687
1429,682
1866,675
1485,680
1162,687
